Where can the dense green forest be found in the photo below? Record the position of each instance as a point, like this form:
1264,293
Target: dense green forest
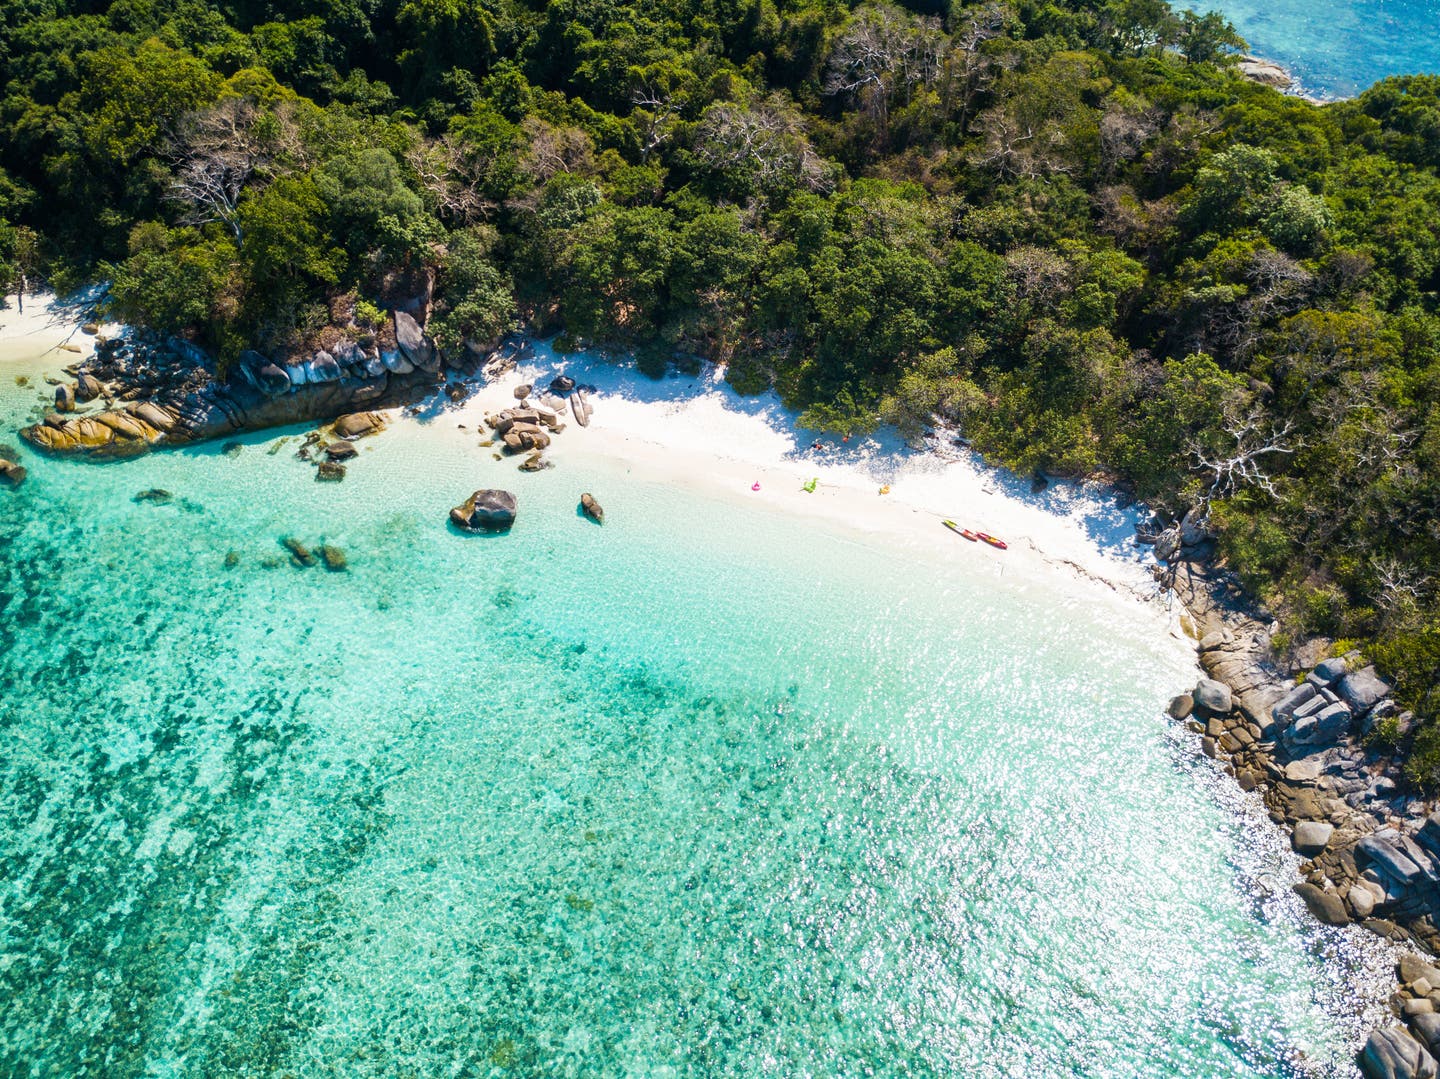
1068,228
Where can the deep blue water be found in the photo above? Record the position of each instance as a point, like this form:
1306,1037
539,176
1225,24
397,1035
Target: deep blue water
1337,48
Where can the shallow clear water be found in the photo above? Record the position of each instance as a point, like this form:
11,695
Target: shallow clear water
1337,48
708,791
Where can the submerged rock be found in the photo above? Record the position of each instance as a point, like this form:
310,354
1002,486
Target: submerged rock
12,474
301,555
486,510
330,472
591,508
534,463
334,558
157,495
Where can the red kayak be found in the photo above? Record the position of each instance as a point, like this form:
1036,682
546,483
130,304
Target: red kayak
992,540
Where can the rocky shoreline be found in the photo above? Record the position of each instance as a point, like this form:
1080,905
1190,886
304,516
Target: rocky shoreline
1298,729
153,390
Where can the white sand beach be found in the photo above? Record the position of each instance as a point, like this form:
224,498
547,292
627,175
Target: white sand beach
696,431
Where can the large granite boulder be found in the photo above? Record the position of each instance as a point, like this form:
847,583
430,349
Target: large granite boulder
355,425
1428,1027
394,361
1319,726
1195,527
1312,836
1212,696
1363,689
591,508
324,368
272,379
1392,1053
523,437
1288,705
1326,906
417,348
485,511
87,388
1328,670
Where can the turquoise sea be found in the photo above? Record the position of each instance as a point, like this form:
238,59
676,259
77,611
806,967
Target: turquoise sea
709,791
1337,48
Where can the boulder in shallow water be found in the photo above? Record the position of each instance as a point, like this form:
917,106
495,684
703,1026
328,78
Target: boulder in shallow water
12,474
333,557
1391,1053
330,472
591,508
156,495
1326,906
1212,696
562,384
534,463
341,451
1181,706
486,510
355,425
65,398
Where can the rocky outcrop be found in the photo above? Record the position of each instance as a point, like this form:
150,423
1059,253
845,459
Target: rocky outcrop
1295,735
1266,72
485,511
167,392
